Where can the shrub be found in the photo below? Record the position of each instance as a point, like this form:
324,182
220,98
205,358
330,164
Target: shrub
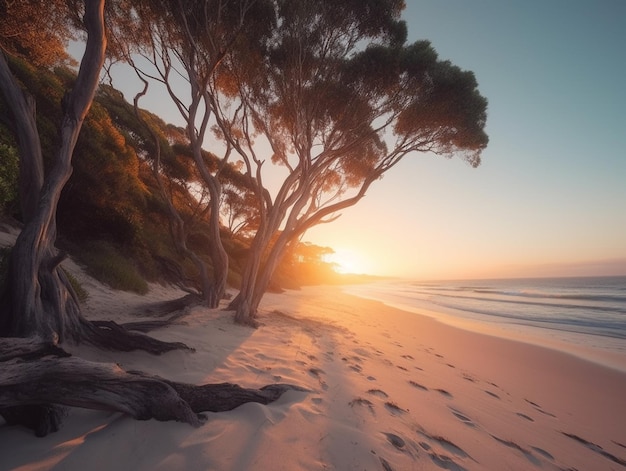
106,264
9,169
78,288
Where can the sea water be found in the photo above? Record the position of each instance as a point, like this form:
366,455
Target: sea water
589,310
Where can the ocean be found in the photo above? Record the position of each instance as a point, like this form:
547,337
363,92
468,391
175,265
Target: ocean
590,311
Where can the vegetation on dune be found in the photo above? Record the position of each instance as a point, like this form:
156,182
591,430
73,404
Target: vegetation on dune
111,215
332,87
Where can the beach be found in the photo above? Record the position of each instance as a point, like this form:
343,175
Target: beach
387,390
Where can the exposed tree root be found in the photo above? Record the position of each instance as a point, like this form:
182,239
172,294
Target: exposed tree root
112,336
36,378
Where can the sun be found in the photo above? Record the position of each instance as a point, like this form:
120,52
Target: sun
347,261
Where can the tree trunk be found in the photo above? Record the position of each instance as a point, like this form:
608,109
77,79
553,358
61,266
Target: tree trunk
245,312
37,298
218,255
38,373
177,224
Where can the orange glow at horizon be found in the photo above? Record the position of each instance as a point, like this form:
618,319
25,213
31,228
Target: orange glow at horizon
349,261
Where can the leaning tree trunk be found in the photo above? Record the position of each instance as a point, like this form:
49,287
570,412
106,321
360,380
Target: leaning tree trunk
218,255
177,224
258,272
216,248
37,297
248,304
242,304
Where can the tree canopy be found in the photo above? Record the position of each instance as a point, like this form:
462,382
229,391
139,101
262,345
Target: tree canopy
331,87
341,98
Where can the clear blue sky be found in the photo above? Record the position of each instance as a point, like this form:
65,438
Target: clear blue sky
550,195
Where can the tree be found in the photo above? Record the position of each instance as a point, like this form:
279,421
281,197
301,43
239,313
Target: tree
38,306
41,36
189,39
37,297
341,99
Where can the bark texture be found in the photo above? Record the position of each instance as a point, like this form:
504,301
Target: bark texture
38,299
37,377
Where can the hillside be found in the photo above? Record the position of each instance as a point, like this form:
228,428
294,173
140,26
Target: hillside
113,215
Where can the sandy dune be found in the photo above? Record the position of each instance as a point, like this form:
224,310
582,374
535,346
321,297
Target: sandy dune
391,390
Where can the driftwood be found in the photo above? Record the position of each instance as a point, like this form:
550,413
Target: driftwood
36,378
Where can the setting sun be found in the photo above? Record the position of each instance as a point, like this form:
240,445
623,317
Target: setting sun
348,261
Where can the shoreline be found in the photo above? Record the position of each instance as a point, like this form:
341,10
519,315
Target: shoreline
605,351
390,390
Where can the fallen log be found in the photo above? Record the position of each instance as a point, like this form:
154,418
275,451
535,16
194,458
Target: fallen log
47,382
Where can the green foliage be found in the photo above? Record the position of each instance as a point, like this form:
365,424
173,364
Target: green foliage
105,263
9,172
78,288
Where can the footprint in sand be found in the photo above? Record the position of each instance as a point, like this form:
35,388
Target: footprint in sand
317,373
407,357
492,394
443,392
462,417
543,453
524,416
363,352
451,447
539,408
511,444
378,392
418,385
596,448
445,462
395,440
359,401
394,408
385,464
441,460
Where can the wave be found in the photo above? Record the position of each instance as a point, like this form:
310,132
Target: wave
573,297
614,328
615,309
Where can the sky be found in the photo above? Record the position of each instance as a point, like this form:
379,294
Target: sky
549,198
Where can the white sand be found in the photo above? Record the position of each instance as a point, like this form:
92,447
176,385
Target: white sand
448,398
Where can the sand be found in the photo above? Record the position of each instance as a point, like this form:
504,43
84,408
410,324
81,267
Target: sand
389,390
